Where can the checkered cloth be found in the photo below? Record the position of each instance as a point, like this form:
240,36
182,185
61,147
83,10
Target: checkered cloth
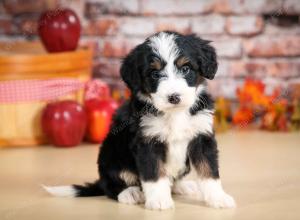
37,90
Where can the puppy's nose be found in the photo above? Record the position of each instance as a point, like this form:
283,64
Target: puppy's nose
174,98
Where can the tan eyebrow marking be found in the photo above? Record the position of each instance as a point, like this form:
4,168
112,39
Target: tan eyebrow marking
156,64
181,61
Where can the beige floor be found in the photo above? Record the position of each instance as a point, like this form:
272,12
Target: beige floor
261,170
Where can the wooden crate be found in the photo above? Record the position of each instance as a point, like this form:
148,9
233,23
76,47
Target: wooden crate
20,122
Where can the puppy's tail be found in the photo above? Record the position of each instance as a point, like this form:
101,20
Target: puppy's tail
89,189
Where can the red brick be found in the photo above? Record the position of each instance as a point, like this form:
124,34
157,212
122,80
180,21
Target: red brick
293,86
118,47
245,25
237,69
283,68
223,68
102,26
228,48
211,24
278,30
231,68
97,8
137,26
6,26
176,7
274,83
248,6
173,24
224,87
28,6
273,46
259,68
3,11
108,68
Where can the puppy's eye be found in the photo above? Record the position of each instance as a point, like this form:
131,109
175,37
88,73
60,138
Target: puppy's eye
155,74
185,69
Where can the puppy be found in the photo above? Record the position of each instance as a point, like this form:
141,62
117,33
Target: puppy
164,131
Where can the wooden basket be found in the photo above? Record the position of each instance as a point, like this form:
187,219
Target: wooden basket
20,122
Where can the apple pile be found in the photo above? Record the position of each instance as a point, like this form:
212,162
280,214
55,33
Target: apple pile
66,123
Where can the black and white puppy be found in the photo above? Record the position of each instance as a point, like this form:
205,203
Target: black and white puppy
164,131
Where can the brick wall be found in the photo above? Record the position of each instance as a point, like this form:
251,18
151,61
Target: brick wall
259,38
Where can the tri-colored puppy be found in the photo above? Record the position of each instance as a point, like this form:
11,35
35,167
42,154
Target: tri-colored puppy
164,131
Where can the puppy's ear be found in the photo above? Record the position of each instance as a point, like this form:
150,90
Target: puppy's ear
205,56
130,70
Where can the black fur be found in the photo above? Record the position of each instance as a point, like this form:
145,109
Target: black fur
202,55
149,155
204,102
203,149
125,147
89,189
134,67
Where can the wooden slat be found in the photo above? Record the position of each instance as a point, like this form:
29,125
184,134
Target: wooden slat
45,67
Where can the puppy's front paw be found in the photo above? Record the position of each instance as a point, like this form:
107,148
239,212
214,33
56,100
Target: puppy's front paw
220,200
160,203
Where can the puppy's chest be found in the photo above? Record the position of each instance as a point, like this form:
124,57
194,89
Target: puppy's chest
176,130
176,127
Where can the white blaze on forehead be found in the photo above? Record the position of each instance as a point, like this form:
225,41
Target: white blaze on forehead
165,47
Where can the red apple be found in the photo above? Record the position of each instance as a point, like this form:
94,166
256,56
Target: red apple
64,123
99,113
59,30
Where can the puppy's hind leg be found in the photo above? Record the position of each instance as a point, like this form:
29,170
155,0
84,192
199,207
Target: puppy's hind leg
131,195
186,187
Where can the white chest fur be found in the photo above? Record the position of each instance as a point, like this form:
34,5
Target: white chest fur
177,129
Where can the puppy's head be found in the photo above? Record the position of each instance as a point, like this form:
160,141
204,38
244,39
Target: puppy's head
169,69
